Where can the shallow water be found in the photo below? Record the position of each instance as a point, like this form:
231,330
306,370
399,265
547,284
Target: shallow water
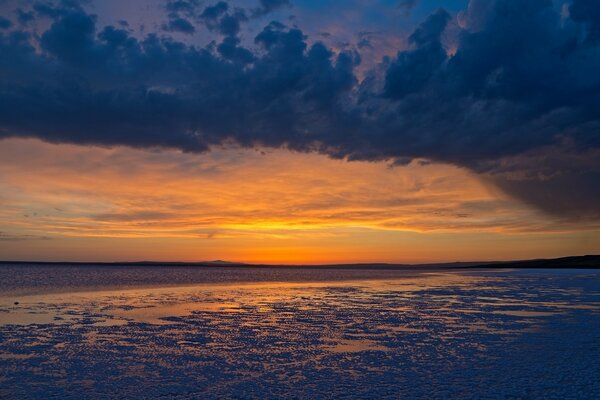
230,333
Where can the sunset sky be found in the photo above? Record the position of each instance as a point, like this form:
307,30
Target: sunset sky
279,131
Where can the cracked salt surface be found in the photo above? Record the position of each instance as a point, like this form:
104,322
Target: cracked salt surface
398,334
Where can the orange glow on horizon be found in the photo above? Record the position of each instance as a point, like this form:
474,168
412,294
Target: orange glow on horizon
271,206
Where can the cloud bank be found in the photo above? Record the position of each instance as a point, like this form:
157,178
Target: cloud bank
507,89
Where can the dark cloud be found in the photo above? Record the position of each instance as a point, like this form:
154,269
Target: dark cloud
181,13
588,13
5,23
223,19
228,20
229,25
559,179
407,5
268,6
185,6
573,195
211,15
72,39
178,24
505,95
413,69
521,79
365,39
24,17
231,50
57,8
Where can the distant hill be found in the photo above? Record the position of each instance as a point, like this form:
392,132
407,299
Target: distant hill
588,261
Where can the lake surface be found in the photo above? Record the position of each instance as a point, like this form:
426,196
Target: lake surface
152,332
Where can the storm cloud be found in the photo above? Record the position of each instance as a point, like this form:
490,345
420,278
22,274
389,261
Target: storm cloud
508,89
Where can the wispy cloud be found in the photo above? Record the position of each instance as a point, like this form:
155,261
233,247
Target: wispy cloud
14,237
83,191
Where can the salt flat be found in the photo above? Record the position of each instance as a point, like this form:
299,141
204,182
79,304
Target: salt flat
230,333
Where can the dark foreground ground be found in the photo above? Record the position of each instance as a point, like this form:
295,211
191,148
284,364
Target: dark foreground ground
264,333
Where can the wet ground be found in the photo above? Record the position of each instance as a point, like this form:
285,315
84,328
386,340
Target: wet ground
443,334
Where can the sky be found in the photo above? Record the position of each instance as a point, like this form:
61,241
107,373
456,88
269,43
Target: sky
287,131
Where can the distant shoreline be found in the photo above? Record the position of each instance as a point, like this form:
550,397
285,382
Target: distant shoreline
575,262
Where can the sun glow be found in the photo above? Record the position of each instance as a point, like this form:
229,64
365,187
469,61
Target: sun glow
249,205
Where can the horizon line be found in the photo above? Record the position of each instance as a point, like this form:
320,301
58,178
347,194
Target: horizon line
586,261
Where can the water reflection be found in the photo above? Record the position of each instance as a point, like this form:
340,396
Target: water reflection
411,336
